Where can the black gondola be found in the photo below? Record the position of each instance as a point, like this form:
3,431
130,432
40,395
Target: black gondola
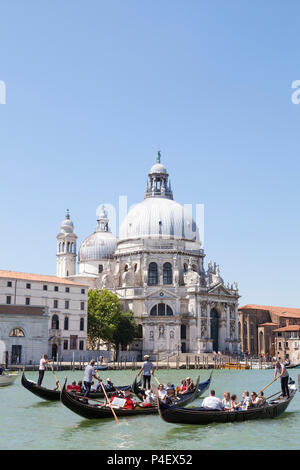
200,415
100,412
54,395
139,392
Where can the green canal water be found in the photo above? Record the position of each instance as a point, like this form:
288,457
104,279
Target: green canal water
30,423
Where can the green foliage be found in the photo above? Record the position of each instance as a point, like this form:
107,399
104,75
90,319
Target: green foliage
107,320
126,330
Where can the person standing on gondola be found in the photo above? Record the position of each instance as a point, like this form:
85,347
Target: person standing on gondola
284,378
89,373
42,367
147,368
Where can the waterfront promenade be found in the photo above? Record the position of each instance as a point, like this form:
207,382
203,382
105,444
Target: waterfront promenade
181,361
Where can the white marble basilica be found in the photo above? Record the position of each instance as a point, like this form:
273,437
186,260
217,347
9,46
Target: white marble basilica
156,267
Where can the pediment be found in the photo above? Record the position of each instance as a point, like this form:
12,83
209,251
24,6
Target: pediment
161,294
220,289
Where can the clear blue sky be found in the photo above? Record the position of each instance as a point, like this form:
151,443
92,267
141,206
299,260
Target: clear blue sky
95,88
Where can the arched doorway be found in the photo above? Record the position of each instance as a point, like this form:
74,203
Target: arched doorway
214,329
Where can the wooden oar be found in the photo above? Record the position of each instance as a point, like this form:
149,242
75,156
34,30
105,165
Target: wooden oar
57,381
273,395
157,381
112,410
267,386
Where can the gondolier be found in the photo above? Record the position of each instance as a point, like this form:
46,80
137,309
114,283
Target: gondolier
42,367
89,373
284,378
147,368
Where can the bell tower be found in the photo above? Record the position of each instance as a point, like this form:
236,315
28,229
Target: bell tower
66,248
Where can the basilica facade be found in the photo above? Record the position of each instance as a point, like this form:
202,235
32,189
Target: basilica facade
156,267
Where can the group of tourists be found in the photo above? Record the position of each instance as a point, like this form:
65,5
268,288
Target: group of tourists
231,403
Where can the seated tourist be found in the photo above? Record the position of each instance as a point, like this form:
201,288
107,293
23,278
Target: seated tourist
148,399
183,387
99,385
162,393
226,401
256,401
109,387
235,406
93,388
78,387
263,398
246,401
190,385
71,387
170,386
212,402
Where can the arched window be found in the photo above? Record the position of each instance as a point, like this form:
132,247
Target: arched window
152,274
66,323
100,268
68,248
55,322
161,310
81,324
167,273
16,332
261,342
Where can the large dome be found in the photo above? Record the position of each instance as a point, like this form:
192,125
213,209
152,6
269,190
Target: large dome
156,217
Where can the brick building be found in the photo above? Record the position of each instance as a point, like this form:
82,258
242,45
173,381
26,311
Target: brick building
257,325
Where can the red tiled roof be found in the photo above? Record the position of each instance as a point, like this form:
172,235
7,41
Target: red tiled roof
289,328
37,277
286,311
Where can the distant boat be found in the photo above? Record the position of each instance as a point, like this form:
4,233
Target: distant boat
236,365
7,378
101,367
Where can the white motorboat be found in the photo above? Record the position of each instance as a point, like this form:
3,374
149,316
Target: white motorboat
7,378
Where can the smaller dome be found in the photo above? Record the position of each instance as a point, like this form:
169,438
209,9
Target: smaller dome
101,244
67,225
98,246
158,168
